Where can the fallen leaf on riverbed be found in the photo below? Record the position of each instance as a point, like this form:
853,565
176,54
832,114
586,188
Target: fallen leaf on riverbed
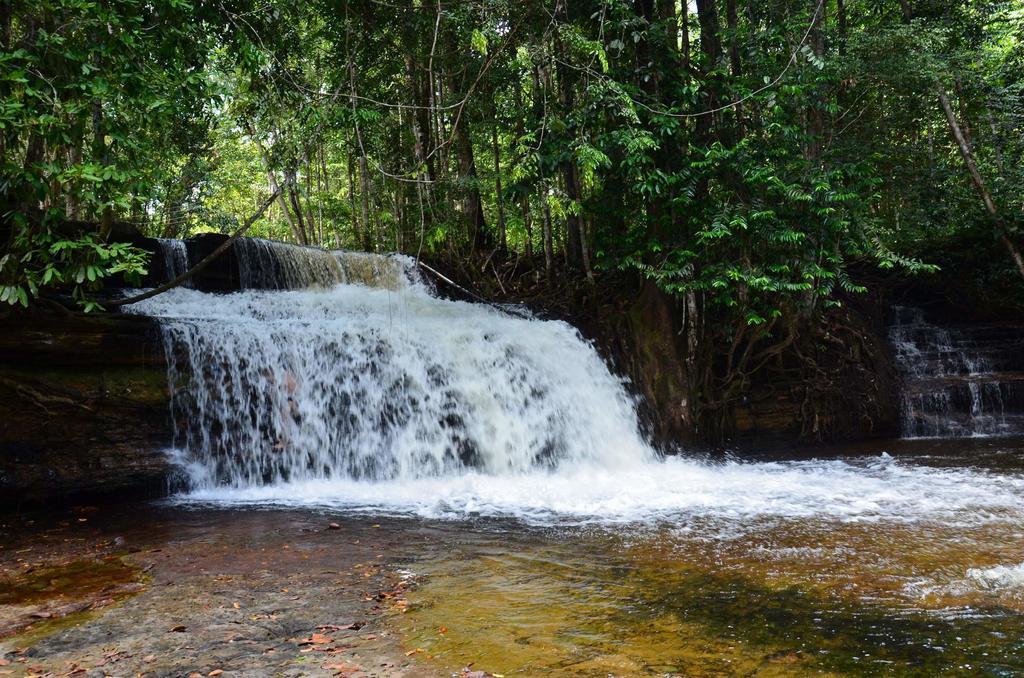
178,629
215,672
354,626
412,652
316,639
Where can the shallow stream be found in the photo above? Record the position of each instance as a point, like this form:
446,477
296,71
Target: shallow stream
503,469
919,572
904,558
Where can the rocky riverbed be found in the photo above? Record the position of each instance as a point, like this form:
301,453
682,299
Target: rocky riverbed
151,591
900,561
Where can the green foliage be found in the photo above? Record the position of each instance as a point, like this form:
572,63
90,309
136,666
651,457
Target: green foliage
42,259
746,173
98,101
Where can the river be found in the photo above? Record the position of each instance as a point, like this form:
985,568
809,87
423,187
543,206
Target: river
479,480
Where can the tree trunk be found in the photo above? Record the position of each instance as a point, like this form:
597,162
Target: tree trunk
978,181
527,224
472,205
5,26
437,99
815,112
295,202
587,269
570,175
101,156
841,20
667,13
734,50
364,174
549,250
502,233
312,231
72,208
524,196
354,217
711,49
908,13
685,29
420,119
323,187
275,188
710,43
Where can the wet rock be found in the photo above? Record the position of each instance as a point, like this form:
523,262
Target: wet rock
194,585
83,408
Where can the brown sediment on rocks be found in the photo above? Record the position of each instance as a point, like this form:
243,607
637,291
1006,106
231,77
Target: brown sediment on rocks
184,592
35,596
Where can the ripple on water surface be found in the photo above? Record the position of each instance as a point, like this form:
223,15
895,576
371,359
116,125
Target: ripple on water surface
879,488
873,565
778,598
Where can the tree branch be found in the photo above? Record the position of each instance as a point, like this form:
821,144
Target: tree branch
202,264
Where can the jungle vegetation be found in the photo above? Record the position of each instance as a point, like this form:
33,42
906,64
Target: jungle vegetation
739,156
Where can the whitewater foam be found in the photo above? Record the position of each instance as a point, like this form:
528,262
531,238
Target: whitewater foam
675,490
998,577
365,392
364,383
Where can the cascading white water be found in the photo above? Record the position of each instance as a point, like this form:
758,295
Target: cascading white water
381,383
365,391
271,265
265,264
175,258
953,386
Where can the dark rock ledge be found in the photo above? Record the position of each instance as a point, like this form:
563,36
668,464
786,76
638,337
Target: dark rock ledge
83,408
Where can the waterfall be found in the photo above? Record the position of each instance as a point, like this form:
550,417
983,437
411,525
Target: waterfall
350,385
270,265
175,258
361,373
957,381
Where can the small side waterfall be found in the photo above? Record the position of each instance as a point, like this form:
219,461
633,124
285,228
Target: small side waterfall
269,265
361,374
175,258
958,382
